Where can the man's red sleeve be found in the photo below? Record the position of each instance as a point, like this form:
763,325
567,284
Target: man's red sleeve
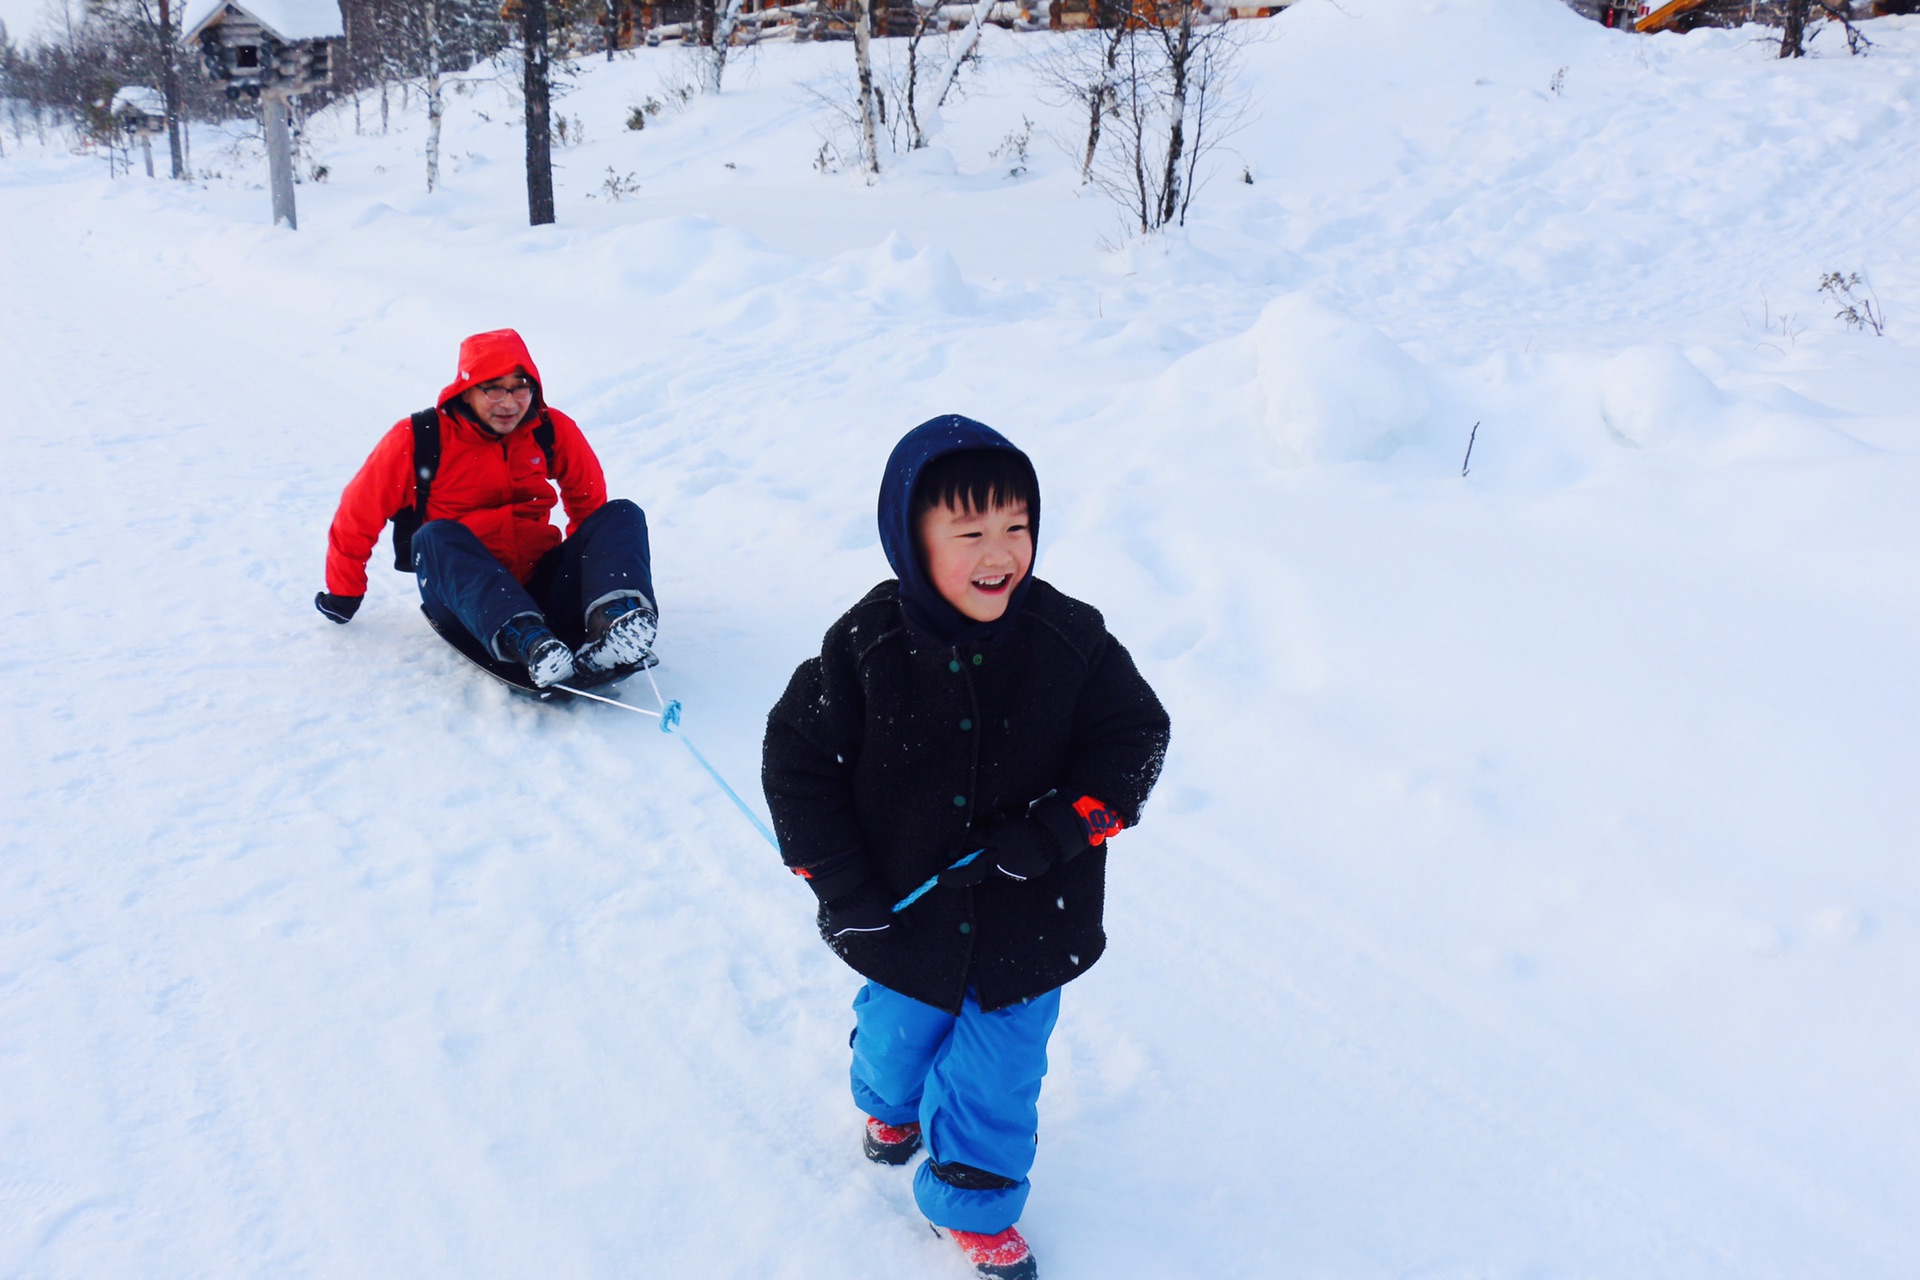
583,485
382,486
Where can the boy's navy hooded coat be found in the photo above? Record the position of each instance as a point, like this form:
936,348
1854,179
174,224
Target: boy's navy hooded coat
917,729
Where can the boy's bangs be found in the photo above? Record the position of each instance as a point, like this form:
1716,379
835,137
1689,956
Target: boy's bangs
977,480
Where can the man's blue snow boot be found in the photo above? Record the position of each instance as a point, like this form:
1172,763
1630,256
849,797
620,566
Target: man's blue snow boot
527,638
619,634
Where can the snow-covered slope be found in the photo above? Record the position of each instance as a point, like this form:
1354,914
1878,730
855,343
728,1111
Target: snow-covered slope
1532,888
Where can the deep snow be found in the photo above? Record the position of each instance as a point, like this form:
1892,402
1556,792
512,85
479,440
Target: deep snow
1532,888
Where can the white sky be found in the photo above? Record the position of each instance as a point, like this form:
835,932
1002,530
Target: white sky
24,17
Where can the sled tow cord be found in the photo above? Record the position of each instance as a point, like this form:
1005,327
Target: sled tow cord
669,717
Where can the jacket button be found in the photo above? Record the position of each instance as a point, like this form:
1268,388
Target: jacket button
979,658
965,927
954,665
965,725
959,802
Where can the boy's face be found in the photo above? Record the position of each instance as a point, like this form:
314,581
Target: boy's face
976,558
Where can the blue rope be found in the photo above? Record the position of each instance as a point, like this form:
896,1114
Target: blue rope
670,723
669,714
933,880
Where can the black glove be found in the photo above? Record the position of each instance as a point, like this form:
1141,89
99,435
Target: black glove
851,900
1025,848
864,911
337,608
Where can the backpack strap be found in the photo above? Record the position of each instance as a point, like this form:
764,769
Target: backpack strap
543,436
426,465
426,459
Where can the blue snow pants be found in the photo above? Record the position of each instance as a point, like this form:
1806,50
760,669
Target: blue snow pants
973,1083
462,584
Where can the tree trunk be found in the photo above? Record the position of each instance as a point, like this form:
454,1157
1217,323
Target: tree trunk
430,14
1793,38
1101,98
723,30
533,32
863,63
1137,122
170,91
968,43
1177,122
921,17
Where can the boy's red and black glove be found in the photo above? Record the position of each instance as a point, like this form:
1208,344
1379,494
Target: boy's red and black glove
851,900
1053,830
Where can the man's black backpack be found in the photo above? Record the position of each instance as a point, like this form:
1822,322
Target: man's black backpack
426,465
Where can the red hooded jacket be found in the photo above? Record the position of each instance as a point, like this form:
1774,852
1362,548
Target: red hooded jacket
497,486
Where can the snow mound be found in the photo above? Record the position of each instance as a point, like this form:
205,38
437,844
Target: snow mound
1335,390
900,277
1652,395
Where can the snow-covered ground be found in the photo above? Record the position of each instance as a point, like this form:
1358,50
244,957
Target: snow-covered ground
1533,888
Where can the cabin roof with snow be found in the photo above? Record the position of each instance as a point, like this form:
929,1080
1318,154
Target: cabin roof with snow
138,99
285,20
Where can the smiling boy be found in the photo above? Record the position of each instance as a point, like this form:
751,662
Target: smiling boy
965,705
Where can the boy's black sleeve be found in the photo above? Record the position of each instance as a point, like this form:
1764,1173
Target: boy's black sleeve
813,739
1120,735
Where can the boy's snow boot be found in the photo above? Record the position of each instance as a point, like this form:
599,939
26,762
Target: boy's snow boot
1003,1256
528,639
619,634
890,1143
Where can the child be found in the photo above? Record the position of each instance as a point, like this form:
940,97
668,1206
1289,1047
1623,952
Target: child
965,706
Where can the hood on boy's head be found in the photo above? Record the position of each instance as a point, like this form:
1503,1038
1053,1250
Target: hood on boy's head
486,356
919,600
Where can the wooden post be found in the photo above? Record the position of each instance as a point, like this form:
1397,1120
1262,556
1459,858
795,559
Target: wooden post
279,158
146,148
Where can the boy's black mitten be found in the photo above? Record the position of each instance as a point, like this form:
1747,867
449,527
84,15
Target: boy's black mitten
851,899
337,608
1026,848
865,910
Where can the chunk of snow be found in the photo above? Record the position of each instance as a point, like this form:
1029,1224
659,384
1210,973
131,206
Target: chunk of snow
1335,390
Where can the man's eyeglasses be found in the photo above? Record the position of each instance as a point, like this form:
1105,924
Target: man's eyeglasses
496,393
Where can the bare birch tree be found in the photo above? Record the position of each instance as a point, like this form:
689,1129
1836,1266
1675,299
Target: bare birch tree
963,49
1162,80
430,49
863,69
725,25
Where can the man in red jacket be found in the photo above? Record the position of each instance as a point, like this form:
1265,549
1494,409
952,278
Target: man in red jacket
486,556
